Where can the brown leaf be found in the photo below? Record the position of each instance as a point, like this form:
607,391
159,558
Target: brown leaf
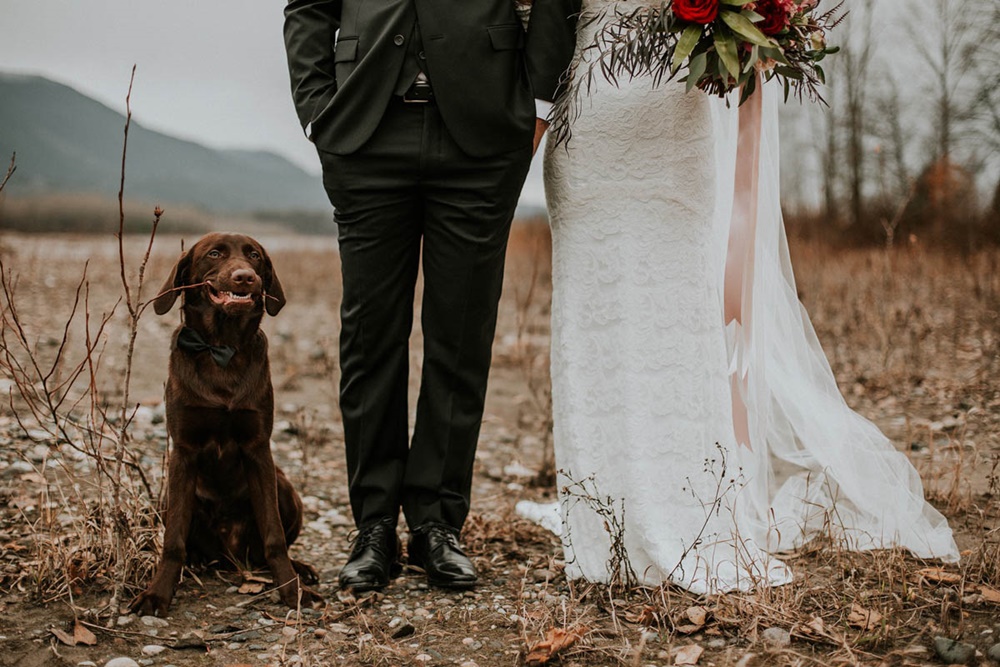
556,640
83,635
688,629
696,615
866,619
689,655
990,594
64,637
815,626
646,616
251,588
939,575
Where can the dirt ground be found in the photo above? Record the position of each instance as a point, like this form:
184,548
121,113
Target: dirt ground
913,337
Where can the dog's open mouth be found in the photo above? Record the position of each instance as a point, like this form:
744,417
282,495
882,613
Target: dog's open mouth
224,298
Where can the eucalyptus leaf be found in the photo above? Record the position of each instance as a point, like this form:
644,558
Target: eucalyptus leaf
742,26
696,69
685,45
774,54
725,44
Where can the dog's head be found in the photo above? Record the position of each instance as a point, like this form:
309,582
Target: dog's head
230,272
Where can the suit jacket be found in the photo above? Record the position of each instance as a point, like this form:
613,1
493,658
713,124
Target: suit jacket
344,57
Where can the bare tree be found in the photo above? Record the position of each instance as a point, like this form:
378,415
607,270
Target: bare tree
856,61
943,33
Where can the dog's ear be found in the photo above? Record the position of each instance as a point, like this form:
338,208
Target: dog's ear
274,295
167,295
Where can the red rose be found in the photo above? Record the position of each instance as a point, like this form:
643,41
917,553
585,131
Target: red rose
776,15
696,11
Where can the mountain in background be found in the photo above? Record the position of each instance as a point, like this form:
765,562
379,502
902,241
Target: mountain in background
67,142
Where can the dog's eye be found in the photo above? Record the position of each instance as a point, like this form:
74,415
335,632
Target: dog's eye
254,254
214,254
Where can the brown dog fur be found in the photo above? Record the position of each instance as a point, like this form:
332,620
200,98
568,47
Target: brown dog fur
226,500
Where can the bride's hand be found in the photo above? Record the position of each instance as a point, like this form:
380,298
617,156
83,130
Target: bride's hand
540,127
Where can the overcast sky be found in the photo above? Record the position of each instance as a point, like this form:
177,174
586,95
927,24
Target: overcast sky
212,71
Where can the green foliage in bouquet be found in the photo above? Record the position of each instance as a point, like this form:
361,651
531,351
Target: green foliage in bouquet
714,45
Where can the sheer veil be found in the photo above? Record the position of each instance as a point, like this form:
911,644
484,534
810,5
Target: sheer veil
810,463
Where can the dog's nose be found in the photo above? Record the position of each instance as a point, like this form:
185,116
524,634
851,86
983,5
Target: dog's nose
244,277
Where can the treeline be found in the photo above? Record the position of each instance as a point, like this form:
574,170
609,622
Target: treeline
909,148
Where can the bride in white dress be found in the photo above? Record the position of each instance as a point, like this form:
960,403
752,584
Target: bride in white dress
647,365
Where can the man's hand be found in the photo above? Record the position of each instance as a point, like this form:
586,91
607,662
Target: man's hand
540,127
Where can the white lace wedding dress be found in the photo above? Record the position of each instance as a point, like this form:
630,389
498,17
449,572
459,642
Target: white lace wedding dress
652,482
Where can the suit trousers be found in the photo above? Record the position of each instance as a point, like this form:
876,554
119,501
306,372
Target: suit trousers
410,195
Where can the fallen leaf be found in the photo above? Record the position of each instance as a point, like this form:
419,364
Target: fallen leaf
939,575
83,635
556,640
990,594
647,616
689,655
251,588
696,615
64,637
866,619
815,626
688,629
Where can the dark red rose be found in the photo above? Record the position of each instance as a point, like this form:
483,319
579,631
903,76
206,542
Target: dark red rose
696,11
776,15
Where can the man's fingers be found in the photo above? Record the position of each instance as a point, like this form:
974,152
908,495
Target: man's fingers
540,127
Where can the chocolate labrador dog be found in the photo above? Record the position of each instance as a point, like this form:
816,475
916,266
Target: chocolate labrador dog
226,500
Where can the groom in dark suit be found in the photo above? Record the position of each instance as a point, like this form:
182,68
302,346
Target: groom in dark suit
425,114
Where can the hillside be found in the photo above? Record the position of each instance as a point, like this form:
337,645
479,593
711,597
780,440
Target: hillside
67,142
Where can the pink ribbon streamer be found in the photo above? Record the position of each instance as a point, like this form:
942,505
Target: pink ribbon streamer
738,288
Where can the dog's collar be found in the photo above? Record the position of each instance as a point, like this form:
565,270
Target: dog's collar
190,340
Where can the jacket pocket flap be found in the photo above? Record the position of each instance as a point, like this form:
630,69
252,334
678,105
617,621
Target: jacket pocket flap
506,37
346,50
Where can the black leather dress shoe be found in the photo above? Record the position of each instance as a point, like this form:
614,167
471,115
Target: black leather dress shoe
374,559
434,548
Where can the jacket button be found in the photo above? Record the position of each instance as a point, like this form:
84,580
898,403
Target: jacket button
398,40
422,55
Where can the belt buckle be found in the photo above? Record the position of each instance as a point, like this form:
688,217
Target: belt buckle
424,92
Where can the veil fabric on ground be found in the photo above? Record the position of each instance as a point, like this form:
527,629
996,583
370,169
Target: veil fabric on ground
644,367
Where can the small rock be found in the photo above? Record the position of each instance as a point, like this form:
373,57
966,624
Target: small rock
404,630
320,633
716,643
86,663
469,663
153,649
994,653
776,637
289,631
422,657
121,662
953,652
155,622
542,575
124,621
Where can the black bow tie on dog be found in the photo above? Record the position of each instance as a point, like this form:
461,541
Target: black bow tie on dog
190,340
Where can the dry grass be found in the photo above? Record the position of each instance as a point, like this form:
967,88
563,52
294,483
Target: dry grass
913,336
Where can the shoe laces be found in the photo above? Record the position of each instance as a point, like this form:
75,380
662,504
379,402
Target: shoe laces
444,533
372,537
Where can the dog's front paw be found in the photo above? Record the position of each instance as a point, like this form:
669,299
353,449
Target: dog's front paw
151,603
306,572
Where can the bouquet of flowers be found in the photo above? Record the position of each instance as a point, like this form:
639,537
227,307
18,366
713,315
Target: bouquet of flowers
720,45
